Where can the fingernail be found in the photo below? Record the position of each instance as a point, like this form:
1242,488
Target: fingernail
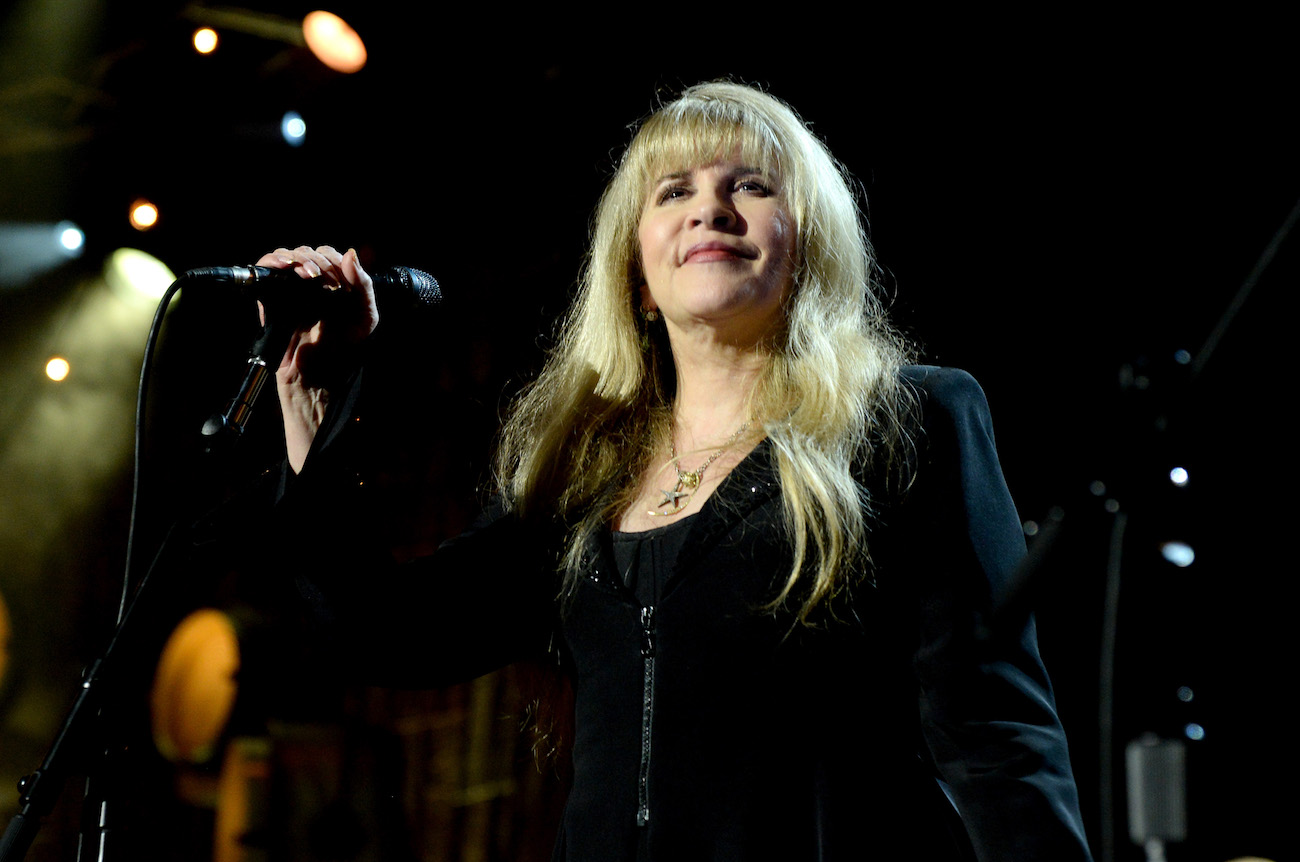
312,269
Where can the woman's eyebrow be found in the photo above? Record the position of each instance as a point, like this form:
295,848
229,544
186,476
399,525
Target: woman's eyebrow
675,175
741,170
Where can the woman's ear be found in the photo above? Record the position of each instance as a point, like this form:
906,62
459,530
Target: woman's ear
647,301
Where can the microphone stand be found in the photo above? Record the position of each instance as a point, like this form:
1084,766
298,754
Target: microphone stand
84,738
223,430
1012,607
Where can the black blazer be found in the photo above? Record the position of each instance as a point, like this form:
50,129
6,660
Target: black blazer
709,728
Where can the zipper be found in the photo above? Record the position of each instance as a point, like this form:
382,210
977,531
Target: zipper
647,709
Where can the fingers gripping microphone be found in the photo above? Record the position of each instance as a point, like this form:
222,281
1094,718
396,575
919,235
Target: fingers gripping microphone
292,302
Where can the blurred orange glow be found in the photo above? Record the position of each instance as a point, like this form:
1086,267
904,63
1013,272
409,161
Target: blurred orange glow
194,687
333,42
144,215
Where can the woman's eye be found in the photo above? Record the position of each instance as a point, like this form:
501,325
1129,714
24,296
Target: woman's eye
753,186
672,193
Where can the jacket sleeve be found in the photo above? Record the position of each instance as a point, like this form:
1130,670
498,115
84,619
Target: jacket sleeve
482,600
988,715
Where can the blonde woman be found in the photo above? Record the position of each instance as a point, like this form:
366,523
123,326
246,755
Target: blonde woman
757,541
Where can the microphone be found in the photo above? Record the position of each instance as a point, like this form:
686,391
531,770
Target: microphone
399,285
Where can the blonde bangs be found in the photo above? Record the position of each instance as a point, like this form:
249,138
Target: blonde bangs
695,132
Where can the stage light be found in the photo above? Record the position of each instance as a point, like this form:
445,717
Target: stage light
1179,476
333,42
205,40
194,686
293,129
1178,553
144,215
71,238
28,250
57,369
131,272
329,37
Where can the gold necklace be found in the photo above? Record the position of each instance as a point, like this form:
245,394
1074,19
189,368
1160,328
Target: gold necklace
688,481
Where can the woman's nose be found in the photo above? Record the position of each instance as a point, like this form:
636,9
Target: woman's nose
716,211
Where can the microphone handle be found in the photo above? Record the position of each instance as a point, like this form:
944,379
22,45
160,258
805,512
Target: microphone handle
415,287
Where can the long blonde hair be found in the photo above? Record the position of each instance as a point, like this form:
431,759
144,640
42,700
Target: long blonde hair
583,433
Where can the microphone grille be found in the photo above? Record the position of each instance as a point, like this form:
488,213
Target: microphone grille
421,285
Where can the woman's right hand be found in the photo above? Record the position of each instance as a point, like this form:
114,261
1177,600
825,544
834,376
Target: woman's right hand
314,356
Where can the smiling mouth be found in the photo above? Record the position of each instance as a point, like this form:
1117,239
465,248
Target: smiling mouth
708,252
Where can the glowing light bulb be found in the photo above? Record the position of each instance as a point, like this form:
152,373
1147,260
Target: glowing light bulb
57,369
333,42
71,238
1178,553
293,129
205,40
144,215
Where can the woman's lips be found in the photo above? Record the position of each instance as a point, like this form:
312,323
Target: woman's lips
713,251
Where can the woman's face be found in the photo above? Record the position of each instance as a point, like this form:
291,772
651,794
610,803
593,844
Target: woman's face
717,247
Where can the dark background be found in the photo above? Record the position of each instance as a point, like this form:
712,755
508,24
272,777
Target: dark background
1059,205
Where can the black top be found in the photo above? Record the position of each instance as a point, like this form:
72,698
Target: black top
647,558
710,726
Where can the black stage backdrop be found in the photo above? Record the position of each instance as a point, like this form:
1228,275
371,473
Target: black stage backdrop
1059,206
